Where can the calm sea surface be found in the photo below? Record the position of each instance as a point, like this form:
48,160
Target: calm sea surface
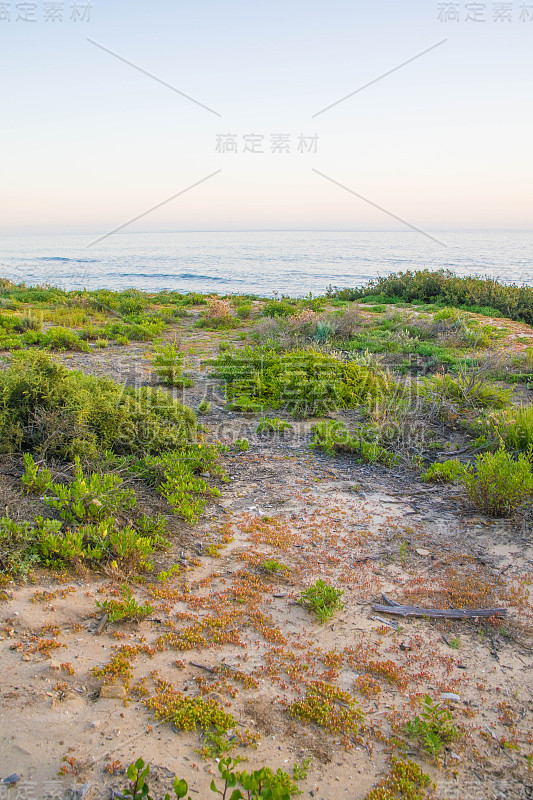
288,262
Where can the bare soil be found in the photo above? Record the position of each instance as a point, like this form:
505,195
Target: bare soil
365,529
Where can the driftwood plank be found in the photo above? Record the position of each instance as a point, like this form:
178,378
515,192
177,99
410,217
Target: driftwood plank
443,613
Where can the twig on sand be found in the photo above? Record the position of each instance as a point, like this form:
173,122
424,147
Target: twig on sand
392,607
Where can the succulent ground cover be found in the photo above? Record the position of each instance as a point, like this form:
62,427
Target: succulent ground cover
180,597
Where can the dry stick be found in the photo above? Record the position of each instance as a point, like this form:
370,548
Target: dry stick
101,625
436,613
201,666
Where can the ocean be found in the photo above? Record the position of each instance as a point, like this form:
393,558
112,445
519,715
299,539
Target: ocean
290,263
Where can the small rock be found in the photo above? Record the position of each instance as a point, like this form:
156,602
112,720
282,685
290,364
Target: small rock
422,552
95,724
55,666
26,657
112,692
11,780
453,698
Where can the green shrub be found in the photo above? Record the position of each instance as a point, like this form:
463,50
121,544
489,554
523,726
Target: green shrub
279,308
45,406
444,286
60,338
242,445
499,484
445,472
322,600
334,437
304,382
204,407
175,476
273,425
244,310
87,498
433,727
168,365
467,390
515,427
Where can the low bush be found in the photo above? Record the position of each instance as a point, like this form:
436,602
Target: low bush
219,314
444,286
273,425
515,427
467,389
445,472
168,365
433,727
334,437
322,600
44,407
499,483
303,382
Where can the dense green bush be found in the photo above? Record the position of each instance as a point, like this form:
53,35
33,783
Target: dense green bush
445,472
499,484
304,382
46,407
444,286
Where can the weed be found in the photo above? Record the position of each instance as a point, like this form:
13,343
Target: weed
273,425
168,365
126,609
433,727
323,600
242,445
273,566
204,407
405,781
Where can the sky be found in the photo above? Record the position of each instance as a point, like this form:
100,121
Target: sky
89,142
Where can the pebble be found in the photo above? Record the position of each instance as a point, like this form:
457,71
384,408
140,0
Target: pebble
422,552
11,780
112,692
453,698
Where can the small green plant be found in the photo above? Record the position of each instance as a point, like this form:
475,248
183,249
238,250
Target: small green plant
499,483
433,727
455,643
260,784
138,788
204,407
273,425
242,445
404,781
273,566
87,498
168,365
322,600
445,472
126,609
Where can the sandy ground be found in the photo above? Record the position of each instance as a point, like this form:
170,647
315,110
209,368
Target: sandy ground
365,529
